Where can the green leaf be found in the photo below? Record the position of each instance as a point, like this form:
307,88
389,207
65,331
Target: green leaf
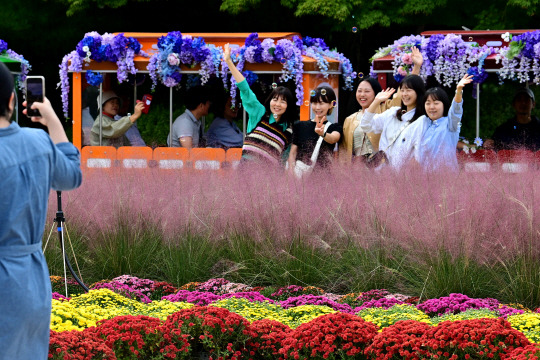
514,49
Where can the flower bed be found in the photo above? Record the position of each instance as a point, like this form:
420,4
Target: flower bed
110,323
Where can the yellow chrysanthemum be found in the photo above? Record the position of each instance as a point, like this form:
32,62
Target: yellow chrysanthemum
386,317
528,323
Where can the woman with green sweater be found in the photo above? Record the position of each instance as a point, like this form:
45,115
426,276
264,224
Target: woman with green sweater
269,128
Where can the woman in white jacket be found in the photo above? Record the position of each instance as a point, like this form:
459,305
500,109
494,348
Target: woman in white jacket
393,124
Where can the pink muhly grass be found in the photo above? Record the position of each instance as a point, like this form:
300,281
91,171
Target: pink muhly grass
487,217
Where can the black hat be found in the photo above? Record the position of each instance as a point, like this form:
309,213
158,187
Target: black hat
525,91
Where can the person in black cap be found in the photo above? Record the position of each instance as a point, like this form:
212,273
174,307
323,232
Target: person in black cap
522,132
31,163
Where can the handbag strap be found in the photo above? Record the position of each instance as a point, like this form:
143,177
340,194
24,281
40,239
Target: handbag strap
396,137
315,154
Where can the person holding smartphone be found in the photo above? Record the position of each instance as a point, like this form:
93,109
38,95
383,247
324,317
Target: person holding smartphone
112,132
31,163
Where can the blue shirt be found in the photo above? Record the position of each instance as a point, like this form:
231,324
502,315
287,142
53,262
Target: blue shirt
224,133
30,165
436,141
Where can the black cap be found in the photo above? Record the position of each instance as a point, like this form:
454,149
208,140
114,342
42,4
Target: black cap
525,91
6,88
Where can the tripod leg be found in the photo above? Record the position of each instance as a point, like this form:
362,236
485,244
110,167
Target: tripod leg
61,235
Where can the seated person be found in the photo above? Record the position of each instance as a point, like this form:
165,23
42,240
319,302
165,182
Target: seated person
223,132
187,128
132,135
113,131
520,132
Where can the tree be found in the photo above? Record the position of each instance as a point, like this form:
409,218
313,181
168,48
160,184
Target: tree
365,14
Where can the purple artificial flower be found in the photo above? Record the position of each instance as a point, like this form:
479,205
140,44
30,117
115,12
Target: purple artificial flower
173,59
252,40
3,46
431,48
268,48
297,41
529,39
93,78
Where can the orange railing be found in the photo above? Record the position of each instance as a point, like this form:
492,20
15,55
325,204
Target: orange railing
213,159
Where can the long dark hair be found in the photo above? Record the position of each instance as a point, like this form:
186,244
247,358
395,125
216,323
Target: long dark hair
282,92
438,94
415,83
352,104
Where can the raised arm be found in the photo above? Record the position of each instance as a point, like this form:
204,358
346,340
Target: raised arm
456,109
367,122
234,71
467,79
50,120
253,107
417,60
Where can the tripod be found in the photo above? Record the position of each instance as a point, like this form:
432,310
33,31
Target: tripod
59,221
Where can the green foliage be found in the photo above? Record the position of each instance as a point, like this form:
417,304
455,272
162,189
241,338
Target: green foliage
367,14
154,126
238,6
78,6
131,246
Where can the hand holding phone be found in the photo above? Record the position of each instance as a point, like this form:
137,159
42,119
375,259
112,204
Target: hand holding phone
147,100
35,92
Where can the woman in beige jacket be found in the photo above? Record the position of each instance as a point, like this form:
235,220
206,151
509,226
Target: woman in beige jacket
356,143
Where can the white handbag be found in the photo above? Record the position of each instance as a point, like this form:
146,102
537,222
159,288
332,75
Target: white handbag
302,169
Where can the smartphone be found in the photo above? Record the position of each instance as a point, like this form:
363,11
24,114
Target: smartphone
35,92
147,100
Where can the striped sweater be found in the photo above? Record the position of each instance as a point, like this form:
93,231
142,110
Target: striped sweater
266,138
266,142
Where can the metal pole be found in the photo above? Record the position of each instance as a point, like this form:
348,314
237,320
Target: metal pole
170,117
100,105
477,110
134,93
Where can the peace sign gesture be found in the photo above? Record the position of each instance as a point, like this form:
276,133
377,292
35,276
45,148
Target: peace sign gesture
319,124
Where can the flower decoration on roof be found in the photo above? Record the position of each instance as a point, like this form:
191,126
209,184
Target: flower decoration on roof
289,53
96,47
447,57
175,50
520,59
25,65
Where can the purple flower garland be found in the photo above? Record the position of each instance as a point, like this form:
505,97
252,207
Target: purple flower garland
521,58
447,57
109,47
25,65
175,50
